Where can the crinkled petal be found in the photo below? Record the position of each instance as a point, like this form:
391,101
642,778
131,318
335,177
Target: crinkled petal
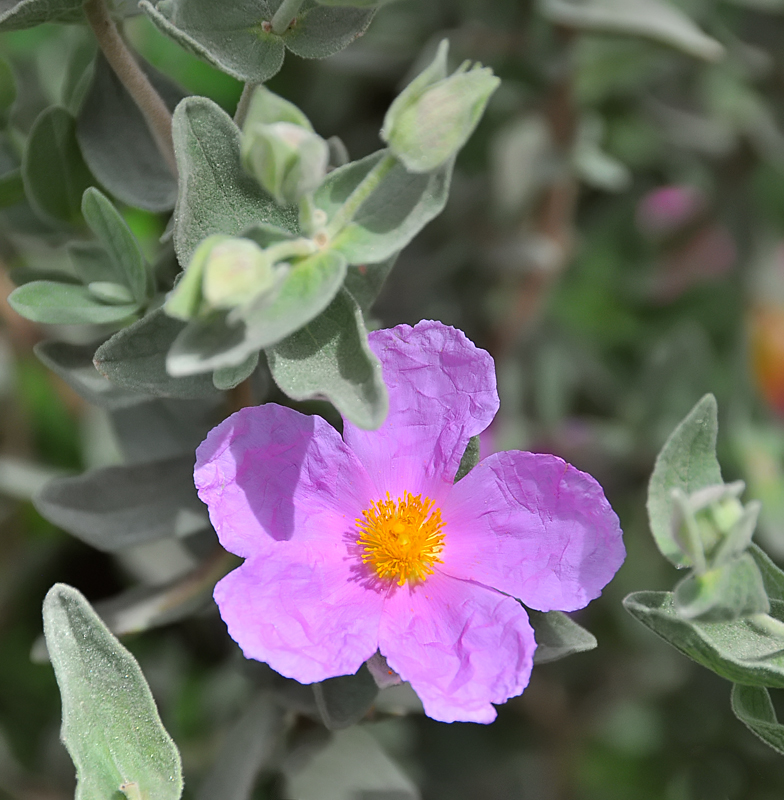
306,611
268,473
442,391
534,527
460,645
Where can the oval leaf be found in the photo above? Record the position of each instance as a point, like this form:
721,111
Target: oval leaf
65,304
401,205
216,195
119,507
653,19
305,291
135,358
115,235
739,650
110,723
54,172
330,358
686,462
752,706
118,145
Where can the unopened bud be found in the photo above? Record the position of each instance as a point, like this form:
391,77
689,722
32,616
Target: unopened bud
224,272
435,115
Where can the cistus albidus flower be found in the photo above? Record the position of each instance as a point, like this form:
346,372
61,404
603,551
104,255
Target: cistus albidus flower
364,543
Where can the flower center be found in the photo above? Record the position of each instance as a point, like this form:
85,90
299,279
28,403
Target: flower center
402,538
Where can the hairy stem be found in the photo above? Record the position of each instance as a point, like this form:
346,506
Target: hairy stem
244,104
285,14
121,60
346,212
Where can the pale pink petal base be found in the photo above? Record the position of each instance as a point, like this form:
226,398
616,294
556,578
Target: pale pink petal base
534,527
442,391
310,615
461,646
269,473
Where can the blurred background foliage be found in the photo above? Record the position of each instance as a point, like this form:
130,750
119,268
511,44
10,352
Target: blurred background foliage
614,237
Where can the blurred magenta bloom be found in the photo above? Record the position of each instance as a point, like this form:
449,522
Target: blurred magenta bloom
364,543
668,209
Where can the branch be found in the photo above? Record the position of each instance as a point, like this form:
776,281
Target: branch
156,114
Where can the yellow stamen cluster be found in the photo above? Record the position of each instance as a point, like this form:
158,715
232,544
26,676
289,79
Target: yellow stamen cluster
402,538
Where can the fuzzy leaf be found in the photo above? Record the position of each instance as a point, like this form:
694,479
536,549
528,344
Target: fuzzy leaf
110,723
19,14
205,345
741,650
65,304
752,706
330,357
118,145
352,765
388,220
115,235
686,462
558,636
54,172
469,459
242,45
248,748
216,195
344,700
135,358
734,589
119,507
653,19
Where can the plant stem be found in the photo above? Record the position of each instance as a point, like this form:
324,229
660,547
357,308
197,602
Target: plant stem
285,15
244,104
156,114
346,212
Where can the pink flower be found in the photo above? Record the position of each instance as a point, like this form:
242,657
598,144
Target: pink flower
363,543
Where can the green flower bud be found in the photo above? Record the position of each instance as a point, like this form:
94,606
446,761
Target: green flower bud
224,272
289,161
434,115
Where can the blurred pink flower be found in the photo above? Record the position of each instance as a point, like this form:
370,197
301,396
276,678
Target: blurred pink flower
364,543
666,210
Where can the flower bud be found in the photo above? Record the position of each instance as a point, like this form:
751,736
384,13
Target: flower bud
287,159
224,272
434,115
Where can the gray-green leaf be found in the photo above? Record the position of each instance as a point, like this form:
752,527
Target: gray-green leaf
686,462
242,45
119,507
752,706
115,235
18,14
74,364
653,19
117,143
216,195
344,700
65,304
54,171
352,765
330,357
135,358
305,291
558,636
110,723
401,205
742,650
469,459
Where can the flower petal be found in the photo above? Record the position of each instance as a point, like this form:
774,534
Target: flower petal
442,391
460,645
534,527
269,473
303,611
